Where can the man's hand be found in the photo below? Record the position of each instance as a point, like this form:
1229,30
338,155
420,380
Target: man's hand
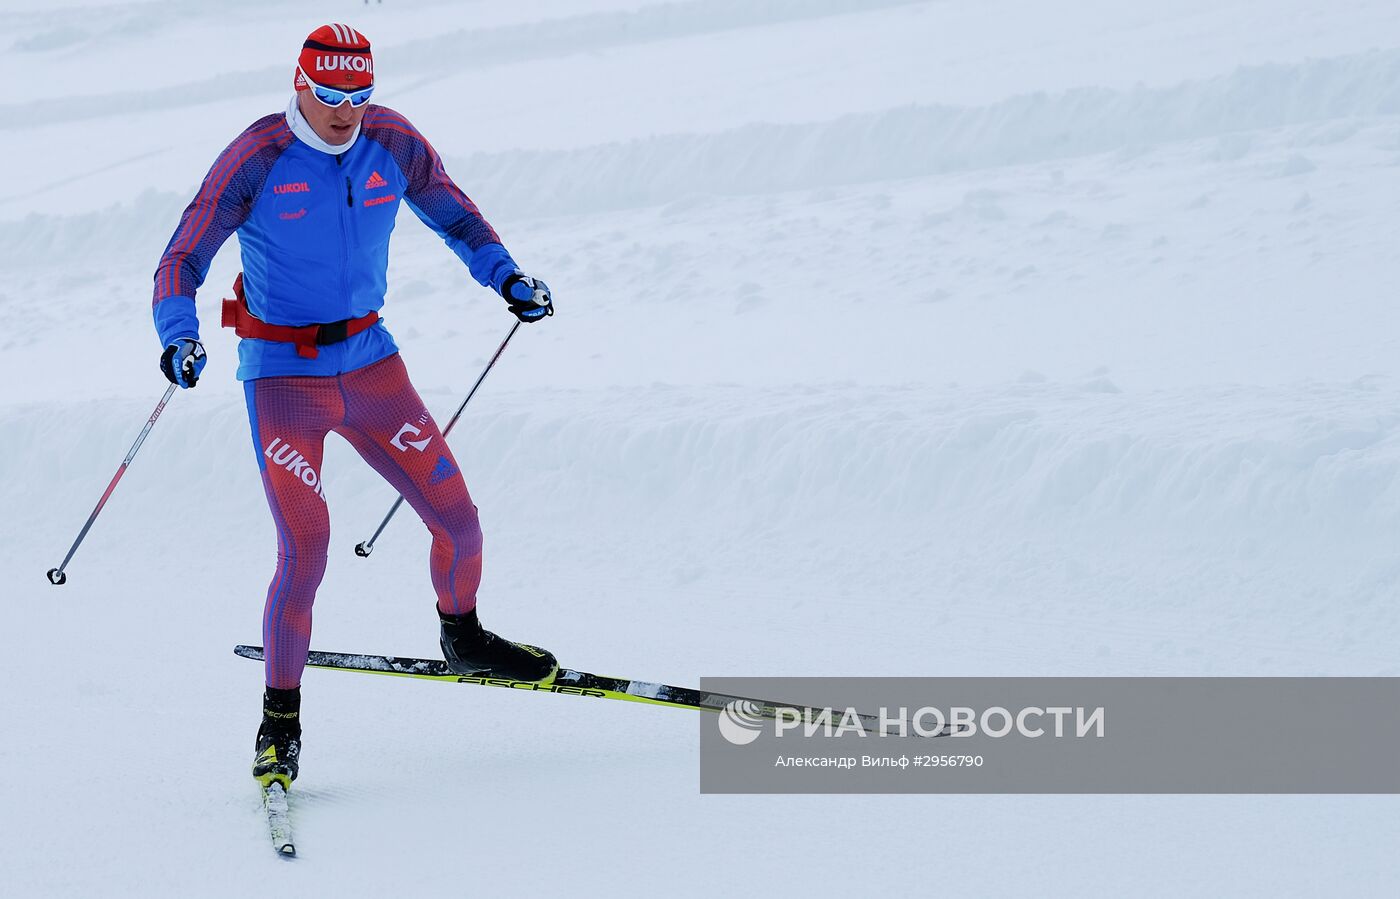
182,362
527,297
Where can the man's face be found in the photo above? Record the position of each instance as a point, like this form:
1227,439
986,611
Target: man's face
334,126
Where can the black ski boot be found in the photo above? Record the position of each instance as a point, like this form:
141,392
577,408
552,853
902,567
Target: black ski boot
278,747
470,649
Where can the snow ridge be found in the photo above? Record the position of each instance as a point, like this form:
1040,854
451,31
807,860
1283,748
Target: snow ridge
898,143
928,140
1228,460
429,58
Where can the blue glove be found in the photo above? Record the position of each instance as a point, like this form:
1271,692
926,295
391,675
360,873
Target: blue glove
527,297
182,362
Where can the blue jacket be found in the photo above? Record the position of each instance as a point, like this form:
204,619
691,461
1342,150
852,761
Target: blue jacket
313,229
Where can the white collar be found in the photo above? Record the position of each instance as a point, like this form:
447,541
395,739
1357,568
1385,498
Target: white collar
307,135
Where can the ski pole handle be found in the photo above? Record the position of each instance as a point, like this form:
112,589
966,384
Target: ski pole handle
364,548
56,575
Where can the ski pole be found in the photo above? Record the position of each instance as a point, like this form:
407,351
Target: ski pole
56,575
363,549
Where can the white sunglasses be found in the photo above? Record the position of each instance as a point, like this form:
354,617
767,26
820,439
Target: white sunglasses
331,97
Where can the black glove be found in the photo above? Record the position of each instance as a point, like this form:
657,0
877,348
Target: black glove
182,362
527,297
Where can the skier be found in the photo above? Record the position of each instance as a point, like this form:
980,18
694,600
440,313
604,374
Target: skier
313,193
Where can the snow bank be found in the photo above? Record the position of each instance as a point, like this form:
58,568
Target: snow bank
410,60
928,140
826,467
899,143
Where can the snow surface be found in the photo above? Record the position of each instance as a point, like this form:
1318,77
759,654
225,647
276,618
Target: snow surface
894,338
